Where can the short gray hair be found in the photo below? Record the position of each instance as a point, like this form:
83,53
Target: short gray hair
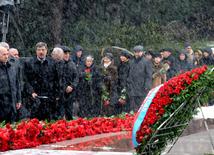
57,51
4,44
90,57
13,49
41,44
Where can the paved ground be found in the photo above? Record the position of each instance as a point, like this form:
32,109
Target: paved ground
194,141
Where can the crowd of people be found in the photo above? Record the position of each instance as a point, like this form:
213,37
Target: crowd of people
56,84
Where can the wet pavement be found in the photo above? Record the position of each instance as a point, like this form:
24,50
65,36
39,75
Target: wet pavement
193,141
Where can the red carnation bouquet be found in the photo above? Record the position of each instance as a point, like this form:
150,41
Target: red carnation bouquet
89,79
168,98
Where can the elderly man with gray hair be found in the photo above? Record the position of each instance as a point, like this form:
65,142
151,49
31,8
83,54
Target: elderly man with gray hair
42,83
69,79
16,63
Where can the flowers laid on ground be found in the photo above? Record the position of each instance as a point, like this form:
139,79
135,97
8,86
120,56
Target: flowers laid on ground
33,132
123,96
89,78
168,98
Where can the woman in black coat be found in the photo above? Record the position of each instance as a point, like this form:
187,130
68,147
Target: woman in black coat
89,107
123,72
207,58
185,65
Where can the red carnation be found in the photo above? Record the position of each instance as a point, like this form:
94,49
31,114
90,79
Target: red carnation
121,102
161,111
188,73
195,77
205,67
107,102
87,70
148,131
168,63
181,71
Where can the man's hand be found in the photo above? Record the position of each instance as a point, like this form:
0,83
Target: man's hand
18,105
69,89
34,95
57,99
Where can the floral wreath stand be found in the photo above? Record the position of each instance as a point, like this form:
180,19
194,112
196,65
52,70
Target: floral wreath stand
171,125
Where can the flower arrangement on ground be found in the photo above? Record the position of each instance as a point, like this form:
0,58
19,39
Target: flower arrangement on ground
169,97
34,132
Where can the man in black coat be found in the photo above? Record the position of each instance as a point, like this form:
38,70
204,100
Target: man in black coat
69,79
10,94
42,83
167,55
139,79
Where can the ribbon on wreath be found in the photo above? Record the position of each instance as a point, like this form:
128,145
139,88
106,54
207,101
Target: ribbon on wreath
139,117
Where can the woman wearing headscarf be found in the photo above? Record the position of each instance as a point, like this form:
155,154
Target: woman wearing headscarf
110,78
89,89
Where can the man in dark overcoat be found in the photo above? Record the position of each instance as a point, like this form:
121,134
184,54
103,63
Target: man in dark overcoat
10,94
42,83
139,79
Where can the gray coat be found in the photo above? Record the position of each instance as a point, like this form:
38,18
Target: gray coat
140,76
10,93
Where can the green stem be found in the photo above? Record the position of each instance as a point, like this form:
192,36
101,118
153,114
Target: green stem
92,97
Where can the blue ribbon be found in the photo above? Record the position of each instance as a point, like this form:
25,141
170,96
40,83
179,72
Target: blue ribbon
142,114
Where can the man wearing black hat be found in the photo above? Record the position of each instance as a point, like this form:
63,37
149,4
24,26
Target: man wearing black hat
139,79
167,55
68,82
123,72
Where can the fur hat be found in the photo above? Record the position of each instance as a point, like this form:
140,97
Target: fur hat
167,49
125,54
156,55
108,55
208,50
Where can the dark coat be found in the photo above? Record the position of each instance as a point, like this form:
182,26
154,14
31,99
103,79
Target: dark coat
123,72
42,78
78,61
140,76
170,74
68,77
14,61
86,107
110,77
173,63
209,61
185,65
10,93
